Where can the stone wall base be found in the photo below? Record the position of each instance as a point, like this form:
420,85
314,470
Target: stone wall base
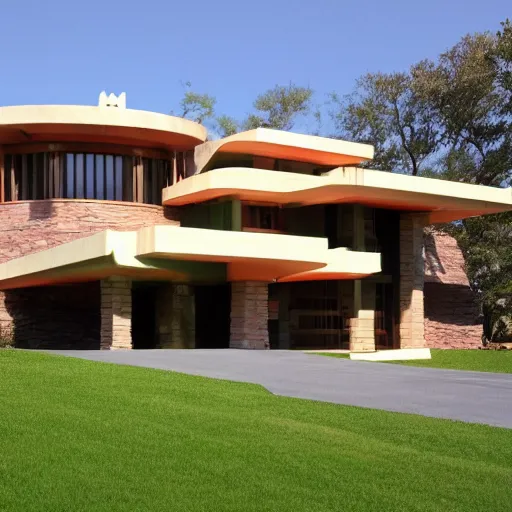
116,313
362,332
249,315
52,317
451,312
411,281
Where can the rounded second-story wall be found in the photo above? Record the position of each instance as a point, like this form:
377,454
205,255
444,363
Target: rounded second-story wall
102,153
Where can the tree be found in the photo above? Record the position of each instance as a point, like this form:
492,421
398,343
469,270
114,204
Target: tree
503,62
441,117
196,107
466,105
226,126
279,107
386,111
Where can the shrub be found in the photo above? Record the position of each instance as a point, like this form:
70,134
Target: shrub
6,337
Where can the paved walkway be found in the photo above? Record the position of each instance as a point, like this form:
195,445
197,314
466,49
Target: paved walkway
467,396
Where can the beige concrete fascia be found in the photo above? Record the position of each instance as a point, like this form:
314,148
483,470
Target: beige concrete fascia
249,256
258,256
285,145
342,263
444,200
84,249
106,252
134,123
430,186
215,245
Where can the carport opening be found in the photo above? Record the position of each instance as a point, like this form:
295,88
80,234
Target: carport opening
213,308
144,334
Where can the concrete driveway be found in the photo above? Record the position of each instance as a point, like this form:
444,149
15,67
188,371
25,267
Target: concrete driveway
467,396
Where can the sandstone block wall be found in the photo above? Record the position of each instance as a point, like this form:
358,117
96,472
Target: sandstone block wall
362,324
31,226
411,281
116,313
362,332
451,313
249,315
53,317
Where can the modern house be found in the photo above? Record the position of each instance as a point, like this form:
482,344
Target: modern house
125,229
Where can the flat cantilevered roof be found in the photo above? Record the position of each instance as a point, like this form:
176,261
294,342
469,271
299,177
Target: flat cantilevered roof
64,123
286,146
174,253
443,201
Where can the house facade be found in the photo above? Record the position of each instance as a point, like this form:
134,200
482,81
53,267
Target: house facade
127,229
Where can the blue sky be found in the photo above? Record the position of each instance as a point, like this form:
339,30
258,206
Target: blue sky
58,51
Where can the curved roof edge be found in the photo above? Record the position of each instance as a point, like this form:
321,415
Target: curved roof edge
53,123
444,201
287,146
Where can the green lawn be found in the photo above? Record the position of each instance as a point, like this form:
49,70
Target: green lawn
82,436
498,361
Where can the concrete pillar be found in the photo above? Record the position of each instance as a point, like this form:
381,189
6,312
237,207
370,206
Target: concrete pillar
411,281
249,315
236,215
362,323
116,313
175,316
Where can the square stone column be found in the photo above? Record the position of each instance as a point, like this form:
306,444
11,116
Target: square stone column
249,315
362,324
175,316
116,313
412,272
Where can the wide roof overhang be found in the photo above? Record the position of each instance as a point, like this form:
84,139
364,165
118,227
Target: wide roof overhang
73,123
442,201
283,145
179,254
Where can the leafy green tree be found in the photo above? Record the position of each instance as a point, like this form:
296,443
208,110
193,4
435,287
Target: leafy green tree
386,111
195,106
503,62
227,125
279,107
466,106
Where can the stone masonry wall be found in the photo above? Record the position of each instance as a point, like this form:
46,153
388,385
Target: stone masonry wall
451,313
116,313
362,325
249,315
362,332
55,317
411,281
31,226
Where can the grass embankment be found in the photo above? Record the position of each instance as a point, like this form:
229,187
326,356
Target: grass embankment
497,361
82,436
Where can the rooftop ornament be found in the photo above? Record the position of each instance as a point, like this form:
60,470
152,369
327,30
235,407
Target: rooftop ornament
112,100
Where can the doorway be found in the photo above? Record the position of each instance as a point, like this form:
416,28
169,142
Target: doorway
213,311
143,316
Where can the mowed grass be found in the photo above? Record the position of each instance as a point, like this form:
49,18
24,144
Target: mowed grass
498,361
82,436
